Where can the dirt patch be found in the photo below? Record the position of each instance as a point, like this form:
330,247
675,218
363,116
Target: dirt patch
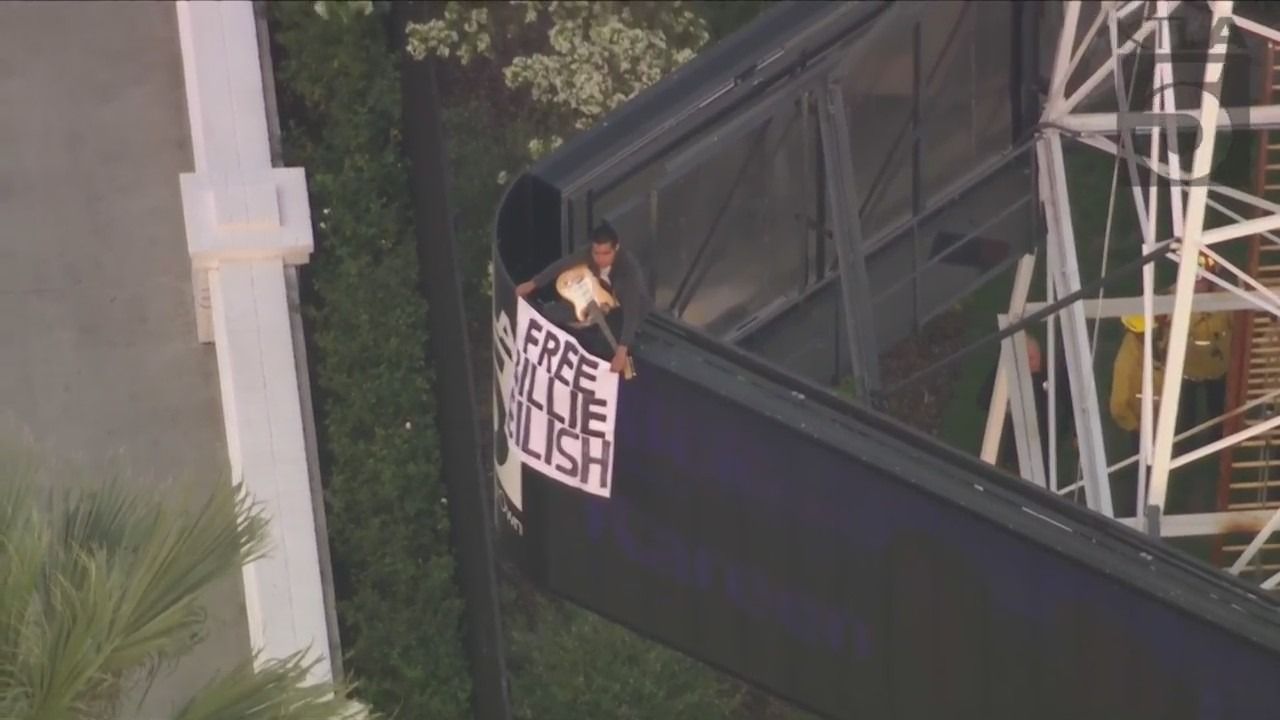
922,403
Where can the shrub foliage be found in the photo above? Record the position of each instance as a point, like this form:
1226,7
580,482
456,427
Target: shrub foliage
399,609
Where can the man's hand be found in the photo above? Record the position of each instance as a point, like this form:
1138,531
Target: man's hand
619,359
524,288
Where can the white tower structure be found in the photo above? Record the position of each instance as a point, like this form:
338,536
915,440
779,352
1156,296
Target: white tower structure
1143,84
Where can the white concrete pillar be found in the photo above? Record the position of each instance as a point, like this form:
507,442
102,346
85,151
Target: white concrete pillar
246,221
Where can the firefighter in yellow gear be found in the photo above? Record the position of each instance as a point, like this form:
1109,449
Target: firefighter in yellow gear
1208,347
1126,378
1204,372
1126,399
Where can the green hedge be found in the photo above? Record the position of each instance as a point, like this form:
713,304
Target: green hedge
569,663
399,610
480,147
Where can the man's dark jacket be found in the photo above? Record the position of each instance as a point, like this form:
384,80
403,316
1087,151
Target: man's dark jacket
626,283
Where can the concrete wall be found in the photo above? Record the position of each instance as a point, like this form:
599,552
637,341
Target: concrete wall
246,222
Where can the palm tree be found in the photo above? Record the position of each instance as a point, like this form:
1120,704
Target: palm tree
100,589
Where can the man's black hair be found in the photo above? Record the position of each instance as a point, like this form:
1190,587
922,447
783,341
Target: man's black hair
604,233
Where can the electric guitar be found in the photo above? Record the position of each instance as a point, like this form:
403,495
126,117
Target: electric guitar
580,288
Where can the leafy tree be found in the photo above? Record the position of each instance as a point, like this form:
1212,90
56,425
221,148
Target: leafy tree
724,17
100,589
575,60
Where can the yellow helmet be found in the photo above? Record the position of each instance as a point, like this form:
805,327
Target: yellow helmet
1135,323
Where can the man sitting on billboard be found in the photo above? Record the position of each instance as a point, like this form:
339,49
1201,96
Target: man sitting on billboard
618,273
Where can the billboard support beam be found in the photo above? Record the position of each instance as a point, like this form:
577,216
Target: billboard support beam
1193,227
999,404
440,285
1083,385
846,226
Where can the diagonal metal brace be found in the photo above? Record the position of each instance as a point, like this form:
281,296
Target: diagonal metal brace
846,227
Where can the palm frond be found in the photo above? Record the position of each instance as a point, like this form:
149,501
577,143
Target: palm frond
60,658
159,616
104,584
101,586
17,493
22,548
276,691
108,517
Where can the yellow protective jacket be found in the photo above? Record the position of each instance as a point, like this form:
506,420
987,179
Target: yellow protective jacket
1208,346
1126,384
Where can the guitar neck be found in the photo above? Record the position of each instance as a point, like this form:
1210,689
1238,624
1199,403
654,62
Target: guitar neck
598,318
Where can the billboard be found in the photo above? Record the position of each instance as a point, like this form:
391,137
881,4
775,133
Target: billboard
820,555
833,577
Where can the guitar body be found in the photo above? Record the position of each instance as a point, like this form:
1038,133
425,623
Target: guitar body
580,288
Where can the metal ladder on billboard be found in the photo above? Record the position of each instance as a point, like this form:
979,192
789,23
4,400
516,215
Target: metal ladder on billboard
1250,471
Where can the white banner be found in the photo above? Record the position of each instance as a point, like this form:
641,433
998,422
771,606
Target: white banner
561,403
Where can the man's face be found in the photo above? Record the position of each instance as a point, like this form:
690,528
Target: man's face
602,254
